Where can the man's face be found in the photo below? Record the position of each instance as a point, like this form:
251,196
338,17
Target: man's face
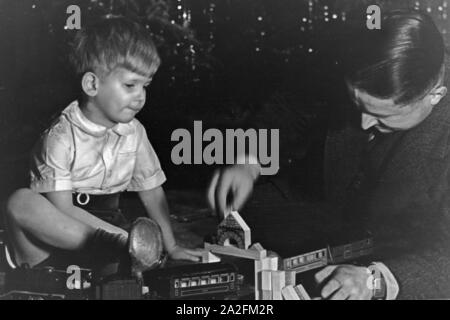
385,116
121,95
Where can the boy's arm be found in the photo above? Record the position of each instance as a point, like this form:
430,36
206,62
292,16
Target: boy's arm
155,203
62,200
156,206
146,181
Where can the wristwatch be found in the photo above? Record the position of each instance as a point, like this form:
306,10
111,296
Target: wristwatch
378,284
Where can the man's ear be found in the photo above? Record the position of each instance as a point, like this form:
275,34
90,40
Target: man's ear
89,83
437,94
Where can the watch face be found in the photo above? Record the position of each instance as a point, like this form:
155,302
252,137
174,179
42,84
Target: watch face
379,286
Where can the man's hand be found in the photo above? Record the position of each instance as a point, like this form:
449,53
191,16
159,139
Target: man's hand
180,253
344,282
236,181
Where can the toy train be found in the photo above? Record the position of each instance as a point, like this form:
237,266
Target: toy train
197,281
329,255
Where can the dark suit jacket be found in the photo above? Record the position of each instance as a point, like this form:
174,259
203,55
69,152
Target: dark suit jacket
397,186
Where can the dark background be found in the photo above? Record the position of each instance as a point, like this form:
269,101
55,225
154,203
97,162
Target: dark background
230,63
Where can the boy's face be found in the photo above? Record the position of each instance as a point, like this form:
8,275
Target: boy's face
120,96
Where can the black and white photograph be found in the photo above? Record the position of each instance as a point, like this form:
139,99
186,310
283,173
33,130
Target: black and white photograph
231,151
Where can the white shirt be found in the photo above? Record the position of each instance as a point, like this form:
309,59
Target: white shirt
79,155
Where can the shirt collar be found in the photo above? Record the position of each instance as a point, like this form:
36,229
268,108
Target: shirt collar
77,118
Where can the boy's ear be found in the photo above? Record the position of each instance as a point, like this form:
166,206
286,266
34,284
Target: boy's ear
437,94
89,83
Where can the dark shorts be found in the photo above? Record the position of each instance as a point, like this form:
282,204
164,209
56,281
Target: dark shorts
105,207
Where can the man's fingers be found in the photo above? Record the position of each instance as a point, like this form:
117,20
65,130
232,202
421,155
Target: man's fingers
241,194
341,294
212,190
222,190
324,273
330,288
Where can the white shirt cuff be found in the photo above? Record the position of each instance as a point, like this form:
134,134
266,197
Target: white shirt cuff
50,185
150,183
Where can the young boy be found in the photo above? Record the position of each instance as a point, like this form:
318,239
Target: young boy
92,153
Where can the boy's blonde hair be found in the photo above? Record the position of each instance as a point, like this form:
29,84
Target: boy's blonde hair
111,43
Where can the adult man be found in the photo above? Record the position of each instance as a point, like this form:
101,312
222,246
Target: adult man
392,179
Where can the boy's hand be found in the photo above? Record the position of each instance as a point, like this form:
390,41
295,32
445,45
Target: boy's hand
236,180
344,282
180,253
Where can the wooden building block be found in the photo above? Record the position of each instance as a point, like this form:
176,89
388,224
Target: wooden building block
266,280
278,283
234,228
289,293
301,292
235,252
208,257
266,295
290,277
269,263
257,246
266,285
258,269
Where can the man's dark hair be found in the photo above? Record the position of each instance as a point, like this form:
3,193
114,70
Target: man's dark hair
403,60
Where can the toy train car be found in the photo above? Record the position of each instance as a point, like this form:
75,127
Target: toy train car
308,261
198,281
330,255
351,251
